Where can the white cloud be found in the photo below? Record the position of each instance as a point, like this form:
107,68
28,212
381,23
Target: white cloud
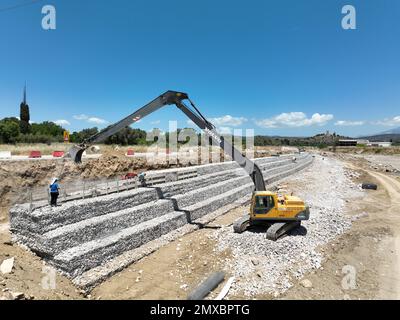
81,117
224,130
294,119
97,120
220,129
156,131
228,120
89,119
62,122
389,122
345,123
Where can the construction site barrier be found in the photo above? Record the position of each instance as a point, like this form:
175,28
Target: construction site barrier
5,154
58,154
35,154
129,175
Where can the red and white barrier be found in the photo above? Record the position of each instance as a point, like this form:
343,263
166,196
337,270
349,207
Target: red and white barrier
5,154
35,154
58,154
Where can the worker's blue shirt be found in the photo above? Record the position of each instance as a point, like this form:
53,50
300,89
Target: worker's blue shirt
54,187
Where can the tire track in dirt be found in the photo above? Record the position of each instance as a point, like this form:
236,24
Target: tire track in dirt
393,188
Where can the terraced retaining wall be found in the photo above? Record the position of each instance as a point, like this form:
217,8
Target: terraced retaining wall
84,234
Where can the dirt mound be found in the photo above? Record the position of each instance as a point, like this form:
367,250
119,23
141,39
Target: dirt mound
104,167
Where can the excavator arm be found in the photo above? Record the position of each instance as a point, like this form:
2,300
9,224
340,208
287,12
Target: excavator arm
177,98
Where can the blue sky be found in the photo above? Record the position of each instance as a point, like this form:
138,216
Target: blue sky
280,67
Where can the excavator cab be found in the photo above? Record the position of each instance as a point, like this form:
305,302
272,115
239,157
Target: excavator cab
263,204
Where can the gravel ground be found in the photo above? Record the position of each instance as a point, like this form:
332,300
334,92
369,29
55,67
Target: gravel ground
383,161
265,267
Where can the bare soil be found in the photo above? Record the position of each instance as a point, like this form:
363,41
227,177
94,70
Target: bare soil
371,246
28,274
394,150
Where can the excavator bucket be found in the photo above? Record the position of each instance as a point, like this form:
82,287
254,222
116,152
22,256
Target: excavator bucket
76,153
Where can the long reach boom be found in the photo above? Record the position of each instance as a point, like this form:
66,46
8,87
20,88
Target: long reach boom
177,98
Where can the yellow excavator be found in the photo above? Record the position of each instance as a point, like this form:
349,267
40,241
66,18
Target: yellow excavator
279,214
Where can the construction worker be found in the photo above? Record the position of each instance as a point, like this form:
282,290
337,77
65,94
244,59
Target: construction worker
54,192
142,179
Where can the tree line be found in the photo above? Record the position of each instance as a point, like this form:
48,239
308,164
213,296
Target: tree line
13,130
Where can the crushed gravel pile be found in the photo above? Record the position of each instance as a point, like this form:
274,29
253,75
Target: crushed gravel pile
261,266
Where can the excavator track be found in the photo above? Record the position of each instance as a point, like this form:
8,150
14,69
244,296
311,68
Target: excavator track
276,230
241,224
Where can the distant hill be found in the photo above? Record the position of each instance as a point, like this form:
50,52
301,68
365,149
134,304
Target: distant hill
384,137
392,131
319,140
392,135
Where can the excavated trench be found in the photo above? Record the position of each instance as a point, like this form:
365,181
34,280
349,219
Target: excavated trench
86,234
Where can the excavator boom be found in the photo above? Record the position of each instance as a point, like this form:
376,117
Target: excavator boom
177,98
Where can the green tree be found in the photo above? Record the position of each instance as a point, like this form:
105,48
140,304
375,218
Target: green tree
9,130
25,118
128,136
78,137
47,128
